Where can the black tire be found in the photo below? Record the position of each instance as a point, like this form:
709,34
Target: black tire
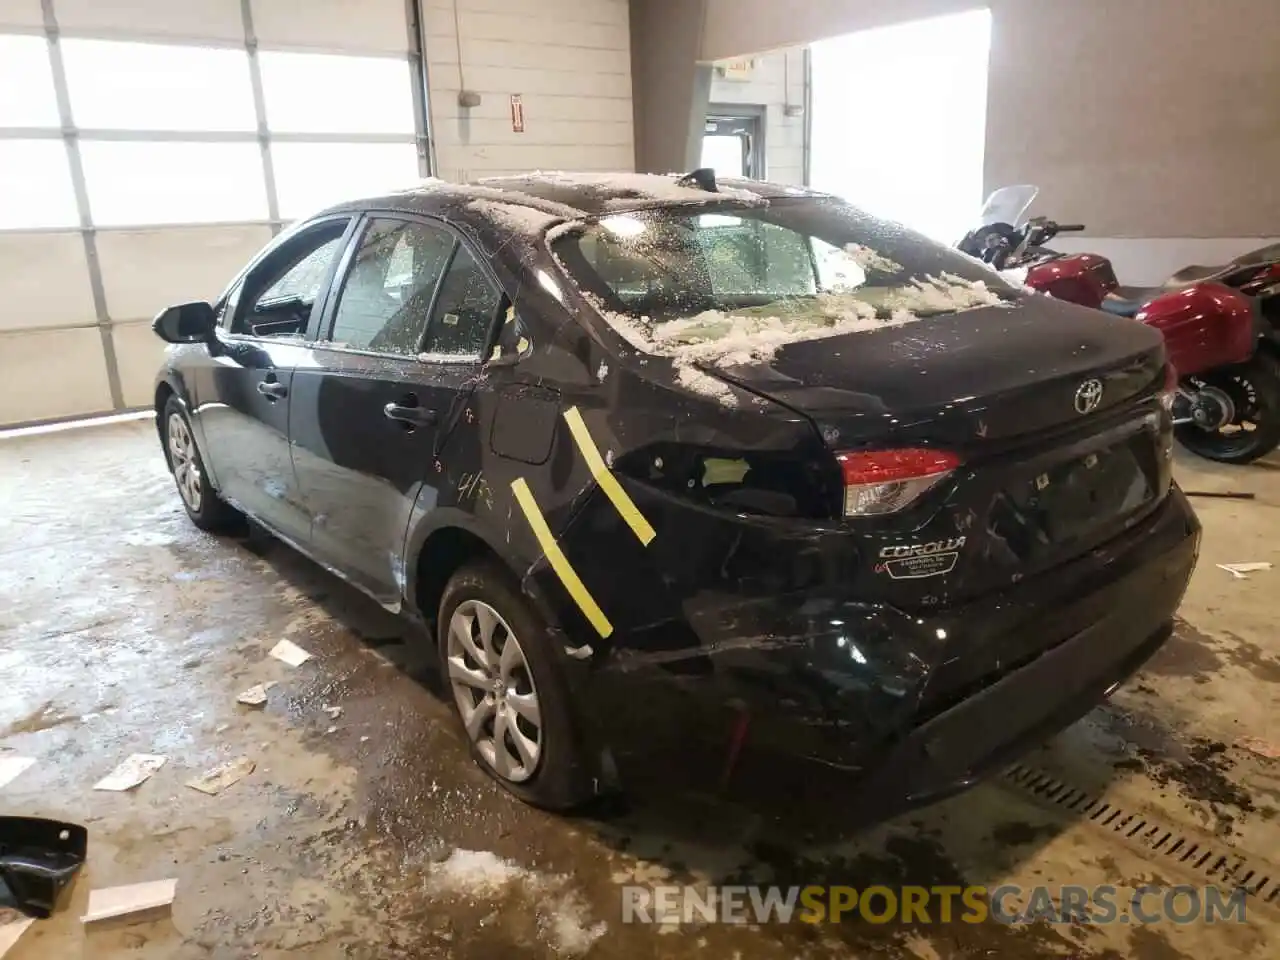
560,780
1255,389
210,512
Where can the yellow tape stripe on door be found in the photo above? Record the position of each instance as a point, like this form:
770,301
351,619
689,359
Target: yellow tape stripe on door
559,562
607,481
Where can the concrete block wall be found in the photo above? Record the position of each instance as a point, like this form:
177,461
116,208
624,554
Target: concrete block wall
568,60
775,80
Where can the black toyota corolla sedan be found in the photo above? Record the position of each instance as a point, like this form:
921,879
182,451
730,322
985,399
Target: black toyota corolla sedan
629,441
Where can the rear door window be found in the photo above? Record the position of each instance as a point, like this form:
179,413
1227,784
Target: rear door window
465,311
387,292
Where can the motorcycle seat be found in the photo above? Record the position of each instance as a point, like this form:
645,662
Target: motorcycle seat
1192,274
1127,301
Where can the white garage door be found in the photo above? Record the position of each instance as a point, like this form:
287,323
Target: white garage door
149,147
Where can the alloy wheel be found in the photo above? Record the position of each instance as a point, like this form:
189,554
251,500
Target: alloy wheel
183,461
494,690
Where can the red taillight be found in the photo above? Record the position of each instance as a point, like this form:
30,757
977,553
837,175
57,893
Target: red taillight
886,466
885,481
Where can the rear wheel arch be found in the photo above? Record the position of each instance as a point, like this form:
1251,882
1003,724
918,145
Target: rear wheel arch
443,551
443,545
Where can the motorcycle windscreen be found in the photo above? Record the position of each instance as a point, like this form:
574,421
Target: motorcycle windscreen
1008,205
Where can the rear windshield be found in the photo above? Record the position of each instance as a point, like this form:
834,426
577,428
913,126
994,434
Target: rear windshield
792,259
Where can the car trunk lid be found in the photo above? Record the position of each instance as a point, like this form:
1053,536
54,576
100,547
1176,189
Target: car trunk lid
982,376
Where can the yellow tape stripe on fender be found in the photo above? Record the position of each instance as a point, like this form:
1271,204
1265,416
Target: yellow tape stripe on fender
607,481
559,562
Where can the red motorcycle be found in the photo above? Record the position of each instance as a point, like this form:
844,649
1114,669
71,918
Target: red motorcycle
1221,325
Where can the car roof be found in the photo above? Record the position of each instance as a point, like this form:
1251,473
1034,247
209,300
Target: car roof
574,196
594,194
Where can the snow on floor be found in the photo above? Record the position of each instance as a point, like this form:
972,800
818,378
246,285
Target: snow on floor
569,928
564,918
475,872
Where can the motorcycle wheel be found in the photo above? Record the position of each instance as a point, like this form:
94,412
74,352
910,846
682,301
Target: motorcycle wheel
1254,430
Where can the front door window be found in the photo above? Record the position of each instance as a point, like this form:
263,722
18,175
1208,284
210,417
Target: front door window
278,295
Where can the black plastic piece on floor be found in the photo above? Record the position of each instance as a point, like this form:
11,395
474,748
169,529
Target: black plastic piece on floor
38,858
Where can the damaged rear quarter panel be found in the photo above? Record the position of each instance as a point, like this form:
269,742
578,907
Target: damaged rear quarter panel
624,416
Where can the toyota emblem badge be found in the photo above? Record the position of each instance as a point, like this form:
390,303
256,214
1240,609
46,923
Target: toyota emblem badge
1088,396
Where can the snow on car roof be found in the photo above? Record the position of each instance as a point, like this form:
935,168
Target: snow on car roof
560,196
592,194
515,217
597,193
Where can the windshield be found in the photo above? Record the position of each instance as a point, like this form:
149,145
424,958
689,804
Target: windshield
807,260
1008,205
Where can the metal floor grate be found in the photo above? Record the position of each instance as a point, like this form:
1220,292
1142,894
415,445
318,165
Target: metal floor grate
1210,858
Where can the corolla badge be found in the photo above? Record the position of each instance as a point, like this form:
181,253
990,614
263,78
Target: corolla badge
1088,396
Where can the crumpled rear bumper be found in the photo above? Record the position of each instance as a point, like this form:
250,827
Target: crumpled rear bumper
991,728
917,705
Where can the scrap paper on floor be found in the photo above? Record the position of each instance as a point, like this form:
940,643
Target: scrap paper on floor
137,901
1263,748
12,926
135,770
1241,571
256,695
222,776
12,767
290,653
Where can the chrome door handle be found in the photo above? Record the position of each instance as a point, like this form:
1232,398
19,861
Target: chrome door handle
412,415
273,391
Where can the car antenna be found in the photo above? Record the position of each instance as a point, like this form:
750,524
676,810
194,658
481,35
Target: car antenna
704,178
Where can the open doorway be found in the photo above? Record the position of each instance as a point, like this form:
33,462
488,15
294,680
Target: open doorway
899,120
733,142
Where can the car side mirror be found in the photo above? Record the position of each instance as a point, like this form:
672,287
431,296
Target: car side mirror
186,323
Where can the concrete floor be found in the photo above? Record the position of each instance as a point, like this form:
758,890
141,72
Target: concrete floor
123,629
